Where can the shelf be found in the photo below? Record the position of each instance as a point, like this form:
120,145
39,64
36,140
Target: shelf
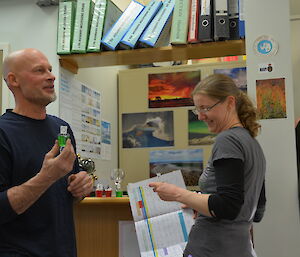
149,55
105,200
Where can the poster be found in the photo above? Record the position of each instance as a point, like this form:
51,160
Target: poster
239,76
147,129
106,140
172,89
270,95
190,162
79,105
198,133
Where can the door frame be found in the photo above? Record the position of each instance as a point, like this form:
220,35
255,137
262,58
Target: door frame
7,96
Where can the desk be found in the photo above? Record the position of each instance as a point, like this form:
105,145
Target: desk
96,222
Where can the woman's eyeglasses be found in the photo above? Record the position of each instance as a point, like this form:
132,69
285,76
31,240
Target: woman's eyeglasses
197,111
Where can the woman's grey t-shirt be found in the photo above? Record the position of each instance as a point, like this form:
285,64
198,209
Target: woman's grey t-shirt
212,237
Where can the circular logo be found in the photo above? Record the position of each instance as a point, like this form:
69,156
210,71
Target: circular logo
265,45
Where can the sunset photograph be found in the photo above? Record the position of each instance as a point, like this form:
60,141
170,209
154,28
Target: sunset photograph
172,89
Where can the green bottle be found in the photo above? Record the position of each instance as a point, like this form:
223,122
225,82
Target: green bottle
62,137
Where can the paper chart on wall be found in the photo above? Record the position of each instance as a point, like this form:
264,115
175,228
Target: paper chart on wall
79,105
162,227
106,140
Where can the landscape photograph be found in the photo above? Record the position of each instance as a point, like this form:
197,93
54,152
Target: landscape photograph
189,161
198,133
270,97
172,89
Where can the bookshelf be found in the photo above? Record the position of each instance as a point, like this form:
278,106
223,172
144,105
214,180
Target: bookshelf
149,55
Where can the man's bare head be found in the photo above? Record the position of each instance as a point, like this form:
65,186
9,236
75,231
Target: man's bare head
28,75
16,60
9,64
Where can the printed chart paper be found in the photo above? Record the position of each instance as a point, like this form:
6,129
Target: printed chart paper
162,227
79,105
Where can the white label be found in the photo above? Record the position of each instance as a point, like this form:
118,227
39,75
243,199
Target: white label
242,10
63,130
192,30
205,7
233,7
265,67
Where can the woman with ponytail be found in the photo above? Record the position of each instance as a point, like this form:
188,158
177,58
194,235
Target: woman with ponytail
232,185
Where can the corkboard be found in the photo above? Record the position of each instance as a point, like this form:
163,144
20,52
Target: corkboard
133,98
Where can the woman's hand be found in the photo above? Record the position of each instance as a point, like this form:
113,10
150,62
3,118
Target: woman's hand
166,191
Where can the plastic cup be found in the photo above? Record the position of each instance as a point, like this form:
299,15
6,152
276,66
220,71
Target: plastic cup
99,193
108,192
119,193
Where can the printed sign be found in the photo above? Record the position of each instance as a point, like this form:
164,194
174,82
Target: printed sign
266,67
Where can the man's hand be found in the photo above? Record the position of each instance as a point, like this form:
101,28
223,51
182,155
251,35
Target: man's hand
56,166
80,184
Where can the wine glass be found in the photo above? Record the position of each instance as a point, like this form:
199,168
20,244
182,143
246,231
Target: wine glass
117,175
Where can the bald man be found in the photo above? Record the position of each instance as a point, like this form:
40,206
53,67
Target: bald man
37,183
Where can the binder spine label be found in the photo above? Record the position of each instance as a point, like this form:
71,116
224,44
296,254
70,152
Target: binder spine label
242,10
97,25
193,30
233,8
205,7
221,7
81,26
79,43
180,22
64,24
64,34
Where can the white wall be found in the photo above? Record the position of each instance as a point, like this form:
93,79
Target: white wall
295,39
279,232
25,25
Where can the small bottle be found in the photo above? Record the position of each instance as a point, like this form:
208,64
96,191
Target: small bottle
62,137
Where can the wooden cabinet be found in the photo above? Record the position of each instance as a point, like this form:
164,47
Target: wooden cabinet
97,225
149,55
